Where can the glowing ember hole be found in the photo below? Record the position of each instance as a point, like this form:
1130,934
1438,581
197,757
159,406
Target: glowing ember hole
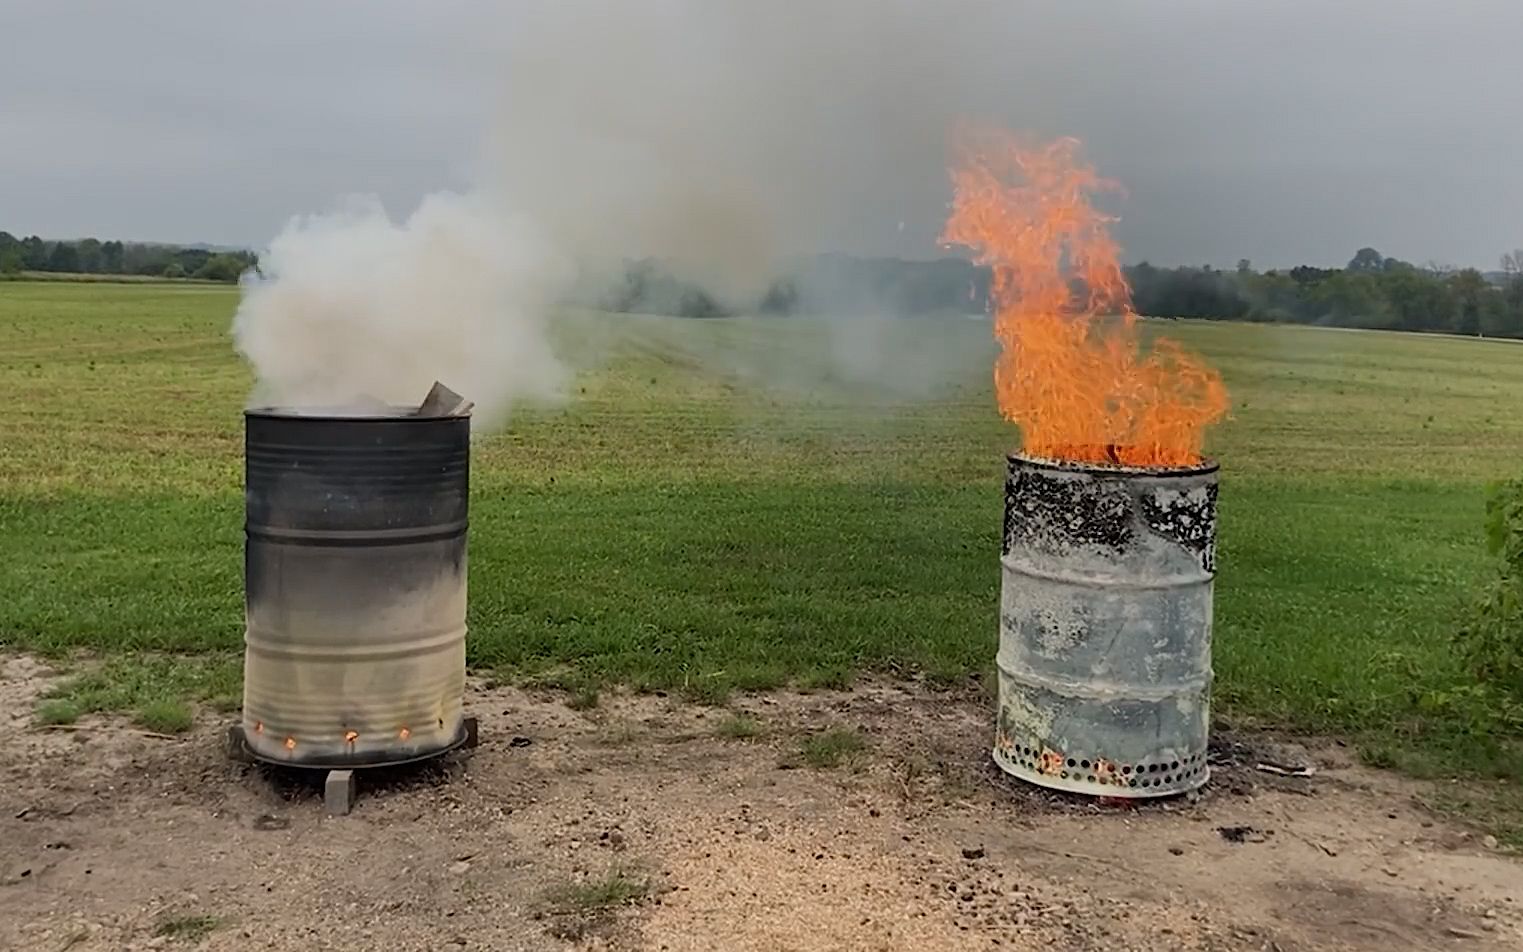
404,733
290,743
259,727
351,737
1072,371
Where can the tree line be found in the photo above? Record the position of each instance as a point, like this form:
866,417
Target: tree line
1372,291
93,256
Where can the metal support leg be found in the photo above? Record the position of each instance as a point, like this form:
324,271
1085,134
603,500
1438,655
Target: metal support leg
235,745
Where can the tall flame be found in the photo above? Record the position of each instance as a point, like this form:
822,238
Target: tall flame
1072,371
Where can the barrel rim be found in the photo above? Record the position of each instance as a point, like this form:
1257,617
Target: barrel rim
1205,466
401,414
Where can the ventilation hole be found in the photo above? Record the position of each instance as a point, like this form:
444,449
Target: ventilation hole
1132,782
1084,764
1168,779
1071,762
1174,765
1090,778
1126,768
1065,775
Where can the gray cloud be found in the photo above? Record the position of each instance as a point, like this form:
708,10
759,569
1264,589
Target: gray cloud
1282,132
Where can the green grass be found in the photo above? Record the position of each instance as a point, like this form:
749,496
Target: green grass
616,888
187,928
676,526
739,727
155,688
166,716
831,748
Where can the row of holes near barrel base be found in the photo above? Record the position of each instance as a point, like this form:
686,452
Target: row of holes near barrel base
1163,773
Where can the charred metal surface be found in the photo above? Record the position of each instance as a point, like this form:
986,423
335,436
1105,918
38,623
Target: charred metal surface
355,587
1105,626
1189,521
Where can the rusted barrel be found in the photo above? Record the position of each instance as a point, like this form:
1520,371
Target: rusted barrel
355,586
1105,626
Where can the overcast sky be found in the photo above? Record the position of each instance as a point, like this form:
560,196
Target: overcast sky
1283,131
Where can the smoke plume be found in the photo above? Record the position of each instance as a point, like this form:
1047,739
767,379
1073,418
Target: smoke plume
721,139
352,304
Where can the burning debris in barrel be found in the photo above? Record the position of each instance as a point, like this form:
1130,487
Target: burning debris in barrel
1108,550
1072,370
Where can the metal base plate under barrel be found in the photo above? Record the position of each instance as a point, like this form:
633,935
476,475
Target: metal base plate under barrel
339,785
1105,627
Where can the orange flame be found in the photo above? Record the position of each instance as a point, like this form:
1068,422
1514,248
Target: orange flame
1072,372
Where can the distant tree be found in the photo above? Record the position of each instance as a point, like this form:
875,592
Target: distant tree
1367,260
174,270
145,259
63,258
1350,299
1475,302
191,259
12,258
696,302
223,267
1244,266
1512,263
1417,301
89,252
782,297
1272,296
111,257
35,253
1306,276
1187,292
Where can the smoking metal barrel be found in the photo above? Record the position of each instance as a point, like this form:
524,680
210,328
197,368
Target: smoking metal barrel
1105,626
355,586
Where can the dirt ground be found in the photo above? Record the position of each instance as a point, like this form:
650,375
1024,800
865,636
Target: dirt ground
643,824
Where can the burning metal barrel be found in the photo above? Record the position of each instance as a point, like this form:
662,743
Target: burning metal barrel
355,585
1105,626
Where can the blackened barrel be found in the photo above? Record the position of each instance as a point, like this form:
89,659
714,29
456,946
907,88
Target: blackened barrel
1105,626
355,586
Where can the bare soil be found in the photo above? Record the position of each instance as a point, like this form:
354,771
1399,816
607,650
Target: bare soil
641,824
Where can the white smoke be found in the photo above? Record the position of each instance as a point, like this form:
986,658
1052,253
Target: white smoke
718,137
352,304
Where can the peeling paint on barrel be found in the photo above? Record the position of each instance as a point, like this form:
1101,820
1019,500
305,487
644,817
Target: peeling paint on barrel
1105,626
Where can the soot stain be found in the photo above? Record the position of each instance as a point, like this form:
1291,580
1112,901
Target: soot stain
1190,522
1053,513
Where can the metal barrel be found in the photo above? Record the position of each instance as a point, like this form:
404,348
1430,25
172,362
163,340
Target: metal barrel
354,586
1105,626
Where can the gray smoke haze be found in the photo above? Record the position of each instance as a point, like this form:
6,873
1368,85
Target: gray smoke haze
724,137
720,139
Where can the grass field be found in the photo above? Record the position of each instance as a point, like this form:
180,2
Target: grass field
676,525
